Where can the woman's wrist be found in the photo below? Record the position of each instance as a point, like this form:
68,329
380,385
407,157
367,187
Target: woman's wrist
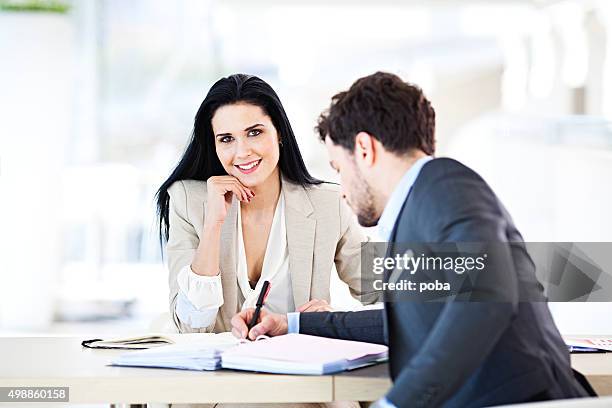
212,228
210,272
203,263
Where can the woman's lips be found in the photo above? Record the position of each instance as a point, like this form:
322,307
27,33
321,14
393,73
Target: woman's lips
247,168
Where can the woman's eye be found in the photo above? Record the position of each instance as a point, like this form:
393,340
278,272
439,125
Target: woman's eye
226,139
254,132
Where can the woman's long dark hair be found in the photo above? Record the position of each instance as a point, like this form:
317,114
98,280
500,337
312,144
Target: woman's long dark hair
200,161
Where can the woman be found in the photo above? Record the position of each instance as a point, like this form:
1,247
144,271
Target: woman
241,208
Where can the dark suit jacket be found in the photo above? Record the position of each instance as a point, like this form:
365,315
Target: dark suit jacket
463,354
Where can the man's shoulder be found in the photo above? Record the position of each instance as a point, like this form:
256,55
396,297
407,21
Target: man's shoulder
443,188
442,174
444,166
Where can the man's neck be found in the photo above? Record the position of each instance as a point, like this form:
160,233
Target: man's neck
395,167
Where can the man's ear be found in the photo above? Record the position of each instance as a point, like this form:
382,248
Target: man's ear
365,148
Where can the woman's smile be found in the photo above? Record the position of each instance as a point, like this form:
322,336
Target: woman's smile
247,168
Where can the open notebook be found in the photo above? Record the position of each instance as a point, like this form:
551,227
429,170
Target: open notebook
302,354
288,354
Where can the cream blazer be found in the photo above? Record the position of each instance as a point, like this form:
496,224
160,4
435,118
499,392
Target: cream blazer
321,231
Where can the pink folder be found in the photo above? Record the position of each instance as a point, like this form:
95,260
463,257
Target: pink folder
302,354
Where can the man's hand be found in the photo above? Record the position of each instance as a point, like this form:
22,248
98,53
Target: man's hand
271,324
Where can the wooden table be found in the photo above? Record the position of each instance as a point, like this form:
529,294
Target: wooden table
365,384
61,361
598,370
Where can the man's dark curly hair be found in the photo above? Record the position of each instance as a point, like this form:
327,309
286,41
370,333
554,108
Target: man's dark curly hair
394,112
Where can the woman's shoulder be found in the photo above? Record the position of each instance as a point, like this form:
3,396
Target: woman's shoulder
324,188
322,195
325,193
328,205
187,189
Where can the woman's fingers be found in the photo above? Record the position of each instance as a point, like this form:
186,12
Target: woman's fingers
320,308
305,306
315,305
220,191
240,191
230,186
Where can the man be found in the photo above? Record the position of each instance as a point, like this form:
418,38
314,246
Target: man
380,138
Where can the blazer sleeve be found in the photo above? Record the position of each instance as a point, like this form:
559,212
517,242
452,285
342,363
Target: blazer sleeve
348,257
363,325
180,250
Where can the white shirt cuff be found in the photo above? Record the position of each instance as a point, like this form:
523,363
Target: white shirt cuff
383,403
192,317
203,292
293,322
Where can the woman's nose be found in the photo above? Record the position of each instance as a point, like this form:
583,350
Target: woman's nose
243,148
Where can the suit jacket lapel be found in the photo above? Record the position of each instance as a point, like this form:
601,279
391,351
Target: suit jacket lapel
300,239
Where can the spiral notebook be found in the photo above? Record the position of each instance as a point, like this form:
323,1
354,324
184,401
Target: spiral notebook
288,354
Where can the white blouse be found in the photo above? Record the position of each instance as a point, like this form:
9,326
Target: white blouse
200,297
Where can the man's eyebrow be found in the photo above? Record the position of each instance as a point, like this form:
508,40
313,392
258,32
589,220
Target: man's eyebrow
252,127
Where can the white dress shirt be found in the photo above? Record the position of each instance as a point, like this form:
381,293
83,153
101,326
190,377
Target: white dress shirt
200,297
392,209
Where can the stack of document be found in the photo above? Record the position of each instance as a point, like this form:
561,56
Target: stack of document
303,354
288,354
203,354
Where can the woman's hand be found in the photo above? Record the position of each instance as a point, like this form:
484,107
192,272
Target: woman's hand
315,305
220,191
219,198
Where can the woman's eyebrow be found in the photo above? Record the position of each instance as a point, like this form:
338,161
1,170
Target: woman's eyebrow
252,127
246,130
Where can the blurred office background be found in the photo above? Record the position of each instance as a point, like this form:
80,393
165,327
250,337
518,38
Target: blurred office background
97,99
